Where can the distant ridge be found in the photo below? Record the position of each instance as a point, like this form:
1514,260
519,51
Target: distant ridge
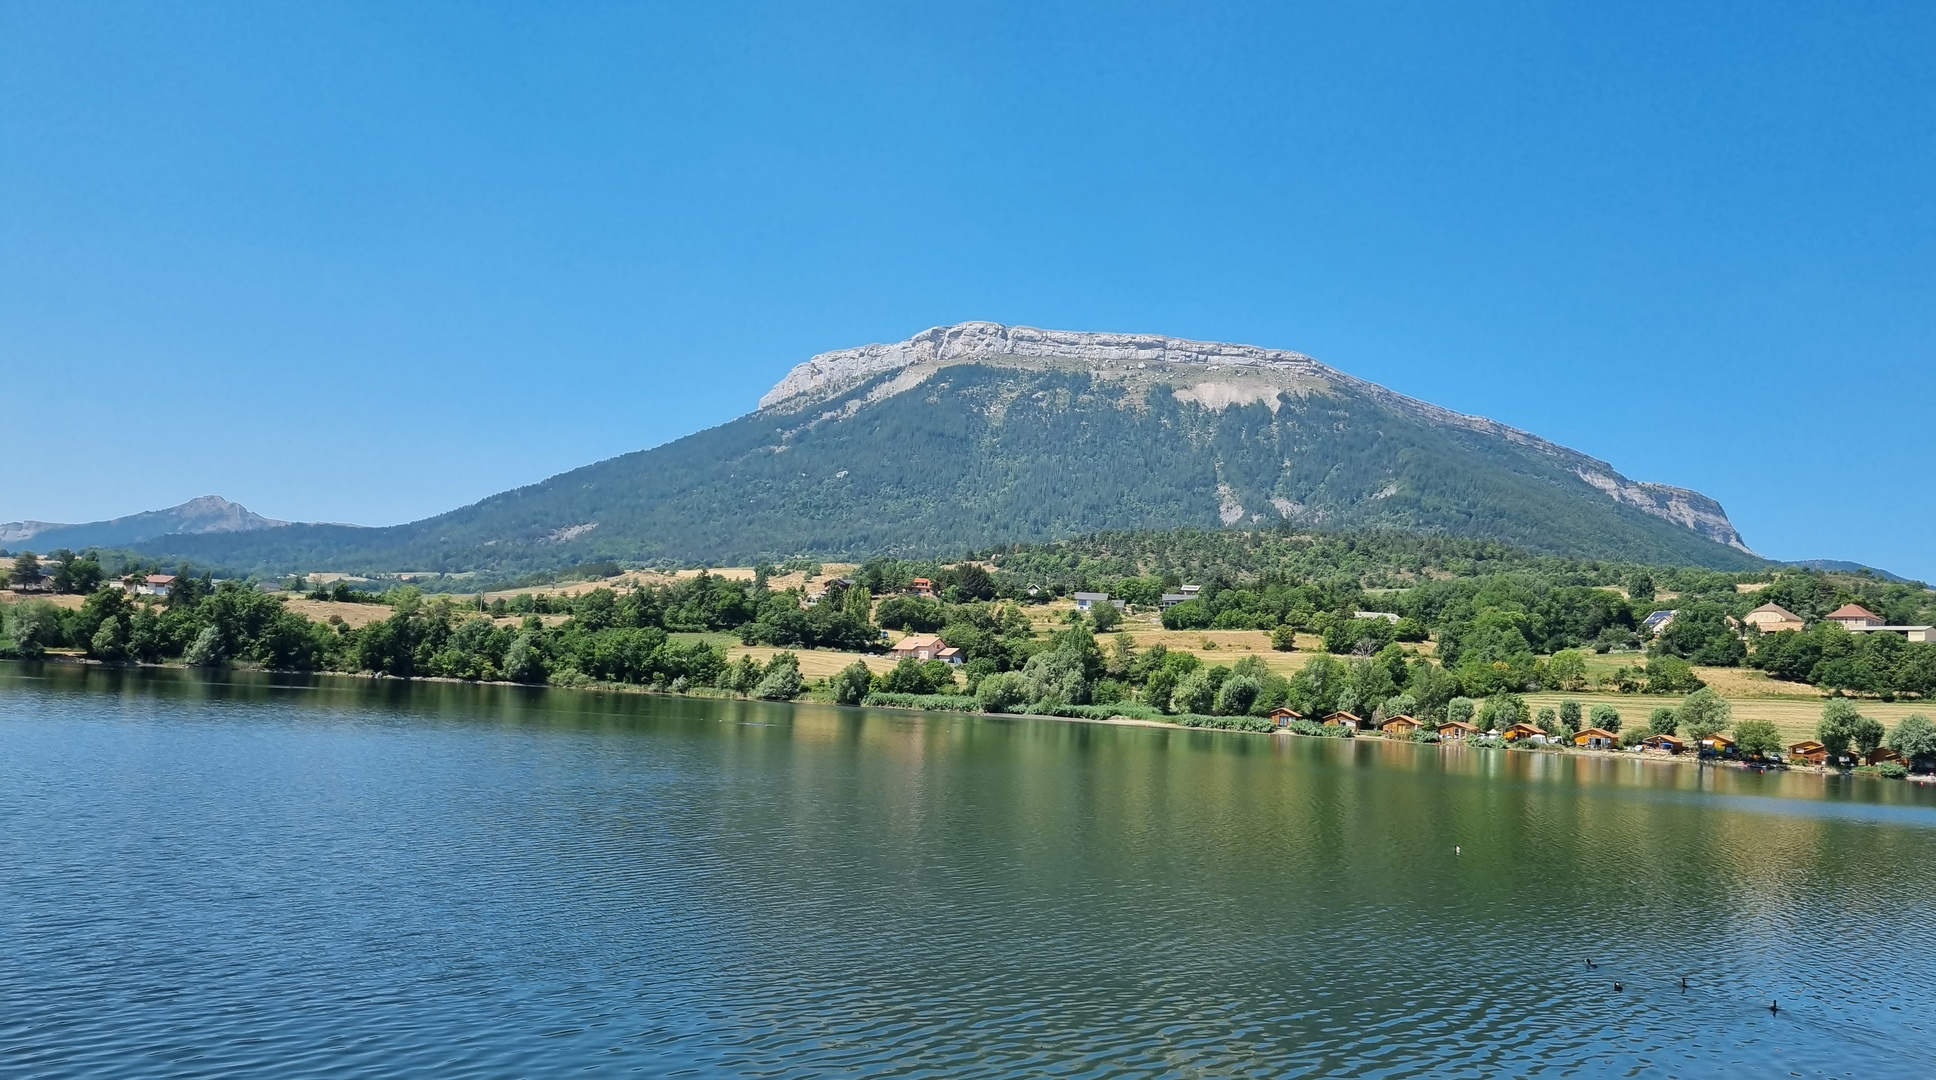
975,435
1844,566
199,516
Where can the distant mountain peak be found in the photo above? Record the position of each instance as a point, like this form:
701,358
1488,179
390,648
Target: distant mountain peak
1214,375
198,516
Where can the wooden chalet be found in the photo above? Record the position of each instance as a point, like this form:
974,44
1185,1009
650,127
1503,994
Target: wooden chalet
1717,743
1399,725
1515,732
1350,720
1808,750
1879,755
1669,744
1457,729
1594,738
1282,717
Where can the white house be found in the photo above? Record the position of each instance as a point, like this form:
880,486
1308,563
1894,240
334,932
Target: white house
1857,619
1086,600
925,647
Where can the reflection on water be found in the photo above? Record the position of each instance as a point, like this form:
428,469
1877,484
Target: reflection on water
329,877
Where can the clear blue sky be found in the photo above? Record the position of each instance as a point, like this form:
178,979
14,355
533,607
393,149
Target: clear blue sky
367,262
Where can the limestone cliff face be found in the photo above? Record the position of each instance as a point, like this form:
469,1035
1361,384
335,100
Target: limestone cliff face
1212,374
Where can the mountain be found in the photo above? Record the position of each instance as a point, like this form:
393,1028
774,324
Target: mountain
203,516
980,434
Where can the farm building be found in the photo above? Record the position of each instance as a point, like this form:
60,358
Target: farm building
1773,619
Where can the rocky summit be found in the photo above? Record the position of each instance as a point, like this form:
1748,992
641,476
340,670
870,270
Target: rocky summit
979,434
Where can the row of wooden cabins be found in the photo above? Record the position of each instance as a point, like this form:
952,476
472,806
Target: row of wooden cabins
1395,725
1814,753
1593,738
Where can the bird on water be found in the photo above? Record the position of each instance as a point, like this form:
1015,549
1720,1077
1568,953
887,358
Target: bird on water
1617,987
1774,1008
1590,965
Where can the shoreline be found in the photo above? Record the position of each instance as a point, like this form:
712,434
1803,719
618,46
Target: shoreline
1111,721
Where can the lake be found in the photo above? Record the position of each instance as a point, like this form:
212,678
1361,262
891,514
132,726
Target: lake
251,875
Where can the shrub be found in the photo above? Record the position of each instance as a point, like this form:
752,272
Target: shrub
1634,738
206,650
1567,670
1838,726
1226,723
1284,638
850,684
1195,692
1188,615
948,702
1237,695
1671,675
1893,769
1003,692
1501,711
1704,713
1606,718
782,681
912,676
1757,738
1914,738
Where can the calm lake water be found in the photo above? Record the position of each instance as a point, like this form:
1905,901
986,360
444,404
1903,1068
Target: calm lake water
268,876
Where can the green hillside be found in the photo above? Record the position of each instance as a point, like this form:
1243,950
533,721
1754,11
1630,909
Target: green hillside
980,454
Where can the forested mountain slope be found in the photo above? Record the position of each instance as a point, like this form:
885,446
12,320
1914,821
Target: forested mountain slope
971,436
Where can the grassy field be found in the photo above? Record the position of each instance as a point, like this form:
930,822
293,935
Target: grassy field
778,582
355,616
8,596
814,663
1794,717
